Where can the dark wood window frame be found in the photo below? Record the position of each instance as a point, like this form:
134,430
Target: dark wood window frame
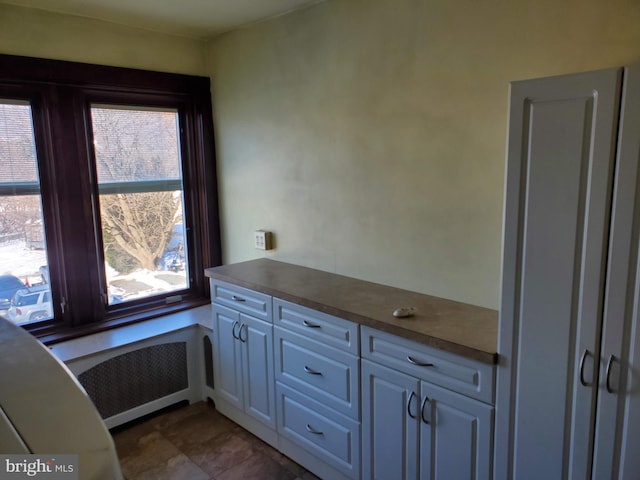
60,94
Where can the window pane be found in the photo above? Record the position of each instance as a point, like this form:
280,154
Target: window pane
24,272
141,201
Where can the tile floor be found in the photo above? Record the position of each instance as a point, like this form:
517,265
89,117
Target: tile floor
196,442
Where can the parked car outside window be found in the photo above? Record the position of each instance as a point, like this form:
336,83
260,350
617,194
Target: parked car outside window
9,285
31,304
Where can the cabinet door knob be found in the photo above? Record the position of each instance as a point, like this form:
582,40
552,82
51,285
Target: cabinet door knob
413,361
409,405
607,382
310,429
312,371
236,298
583,382
424,404
306,323
233,330
243,326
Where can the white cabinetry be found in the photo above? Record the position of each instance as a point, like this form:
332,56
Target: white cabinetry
317,372
391,423
412,428
243,358
345,409
568,391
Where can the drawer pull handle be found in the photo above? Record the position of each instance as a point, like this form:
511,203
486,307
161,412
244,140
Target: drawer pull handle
309,324
409,405
424,404
583,382
310,429
233,330
243,326
235,298
312,371
413,361
608,379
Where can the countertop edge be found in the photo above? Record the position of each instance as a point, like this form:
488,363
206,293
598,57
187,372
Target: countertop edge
419,337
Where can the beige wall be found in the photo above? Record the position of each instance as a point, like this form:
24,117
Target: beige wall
36,33
369,135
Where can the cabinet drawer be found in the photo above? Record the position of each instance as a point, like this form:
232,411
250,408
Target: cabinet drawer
328,435
241,299
327,329
324,373
469,377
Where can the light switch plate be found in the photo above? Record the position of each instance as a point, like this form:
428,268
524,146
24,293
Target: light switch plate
262,240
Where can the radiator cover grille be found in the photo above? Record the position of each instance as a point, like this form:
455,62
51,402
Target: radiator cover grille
135,378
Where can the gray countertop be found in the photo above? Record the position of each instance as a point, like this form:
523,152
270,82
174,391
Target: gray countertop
459,328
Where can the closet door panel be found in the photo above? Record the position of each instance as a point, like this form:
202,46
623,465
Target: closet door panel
628,422
617,440
552,267
560,162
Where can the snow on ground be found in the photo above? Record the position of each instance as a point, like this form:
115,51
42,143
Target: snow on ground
16,259
143,283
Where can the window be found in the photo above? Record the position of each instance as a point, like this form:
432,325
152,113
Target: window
108,203
141,201
22,237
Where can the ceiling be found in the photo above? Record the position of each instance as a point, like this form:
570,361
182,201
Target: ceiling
189,18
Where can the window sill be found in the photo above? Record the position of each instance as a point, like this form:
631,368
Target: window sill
126,331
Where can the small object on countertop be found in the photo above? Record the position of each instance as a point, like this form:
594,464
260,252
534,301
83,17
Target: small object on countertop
404,312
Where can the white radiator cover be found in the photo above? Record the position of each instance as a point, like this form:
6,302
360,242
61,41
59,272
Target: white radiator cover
128,382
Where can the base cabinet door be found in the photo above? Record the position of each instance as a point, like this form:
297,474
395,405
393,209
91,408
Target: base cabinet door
228,357
257,357
455,436
244,364
390,423
413,429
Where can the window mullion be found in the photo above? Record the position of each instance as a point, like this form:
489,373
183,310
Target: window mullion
74,195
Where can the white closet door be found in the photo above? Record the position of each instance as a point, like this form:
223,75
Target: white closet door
559,174
617,441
